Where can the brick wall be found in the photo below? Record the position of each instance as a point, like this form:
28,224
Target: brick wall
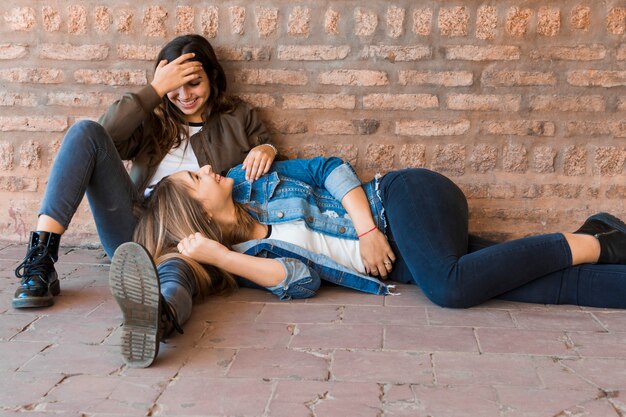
521,103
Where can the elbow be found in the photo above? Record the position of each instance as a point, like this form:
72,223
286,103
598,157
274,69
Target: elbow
299,288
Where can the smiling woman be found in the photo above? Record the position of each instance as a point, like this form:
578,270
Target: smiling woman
313,220
183,119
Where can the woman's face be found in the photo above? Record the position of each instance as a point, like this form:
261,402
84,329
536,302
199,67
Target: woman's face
192,97
213,190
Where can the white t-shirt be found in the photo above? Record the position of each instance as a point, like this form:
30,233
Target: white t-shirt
177,159
343,251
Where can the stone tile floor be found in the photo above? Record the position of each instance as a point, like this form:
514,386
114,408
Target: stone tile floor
341,353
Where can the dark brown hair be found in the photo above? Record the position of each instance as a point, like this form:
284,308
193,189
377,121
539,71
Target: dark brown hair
172,119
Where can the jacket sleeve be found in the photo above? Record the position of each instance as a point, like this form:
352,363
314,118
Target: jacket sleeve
300,282
333,174
255,129
124,119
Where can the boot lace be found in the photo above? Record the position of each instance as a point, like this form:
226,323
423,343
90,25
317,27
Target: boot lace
166,310
33,263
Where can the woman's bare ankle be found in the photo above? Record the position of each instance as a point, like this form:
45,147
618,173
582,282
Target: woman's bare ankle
48,224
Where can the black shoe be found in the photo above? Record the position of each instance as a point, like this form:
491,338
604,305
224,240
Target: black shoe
38,279
611,233
134,283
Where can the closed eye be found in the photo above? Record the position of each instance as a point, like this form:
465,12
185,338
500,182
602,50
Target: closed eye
193,176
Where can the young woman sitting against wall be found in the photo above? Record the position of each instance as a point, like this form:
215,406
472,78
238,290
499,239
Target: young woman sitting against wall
312,220
182,120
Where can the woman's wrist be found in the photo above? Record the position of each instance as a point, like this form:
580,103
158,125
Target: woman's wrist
273,148
366,231
158,89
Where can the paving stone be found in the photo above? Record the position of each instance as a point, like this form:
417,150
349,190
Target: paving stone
529,342
410,316
340,353
77,302
76,359
447,401
615,321
227,312
554,374
300,313
25,389
608,374
218,396
381,367
107,309
331,399
207,362
533,402
473,317
486,369
68,329
429,338
12,324
295,398
243,335
278,363
351,398
340,336
599,345
89,395
596,407
13,355
555,320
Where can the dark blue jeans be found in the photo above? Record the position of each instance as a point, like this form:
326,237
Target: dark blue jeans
88,163
428,221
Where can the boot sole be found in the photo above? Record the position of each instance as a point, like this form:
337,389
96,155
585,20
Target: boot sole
612,221
134,283
38,302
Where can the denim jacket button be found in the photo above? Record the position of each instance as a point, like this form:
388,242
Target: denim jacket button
342,229
280,214
309,219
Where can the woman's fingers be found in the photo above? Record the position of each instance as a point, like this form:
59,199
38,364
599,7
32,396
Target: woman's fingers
184,57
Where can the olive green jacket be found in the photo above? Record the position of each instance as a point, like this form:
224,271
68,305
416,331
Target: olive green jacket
222,143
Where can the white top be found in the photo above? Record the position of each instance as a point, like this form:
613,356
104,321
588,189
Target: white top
343,251
177,159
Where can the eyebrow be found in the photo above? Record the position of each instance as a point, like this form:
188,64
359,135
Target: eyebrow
191,176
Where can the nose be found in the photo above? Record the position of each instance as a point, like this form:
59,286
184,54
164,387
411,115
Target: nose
206,169
183,92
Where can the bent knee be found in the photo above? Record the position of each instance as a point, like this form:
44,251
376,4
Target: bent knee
450,298
86,129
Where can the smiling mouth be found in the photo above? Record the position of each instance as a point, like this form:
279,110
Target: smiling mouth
189,103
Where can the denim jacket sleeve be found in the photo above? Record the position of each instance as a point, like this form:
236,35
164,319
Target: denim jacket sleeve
300,282
333,174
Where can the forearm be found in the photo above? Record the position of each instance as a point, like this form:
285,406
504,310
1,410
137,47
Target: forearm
261,271
356,204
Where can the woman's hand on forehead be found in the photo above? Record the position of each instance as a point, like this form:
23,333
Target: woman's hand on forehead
173,75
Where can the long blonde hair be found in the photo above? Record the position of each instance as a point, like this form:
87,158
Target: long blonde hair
171,214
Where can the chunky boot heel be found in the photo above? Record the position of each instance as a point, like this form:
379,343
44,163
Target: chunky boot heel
134,283
611,233
39,281
55,287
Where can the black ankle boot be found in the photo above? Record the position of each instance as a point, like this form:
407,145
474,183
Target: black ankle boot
611,233
148,318
39,280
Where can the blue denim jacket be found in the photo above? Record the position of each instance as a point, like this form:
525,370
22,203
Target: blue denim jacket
309,190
